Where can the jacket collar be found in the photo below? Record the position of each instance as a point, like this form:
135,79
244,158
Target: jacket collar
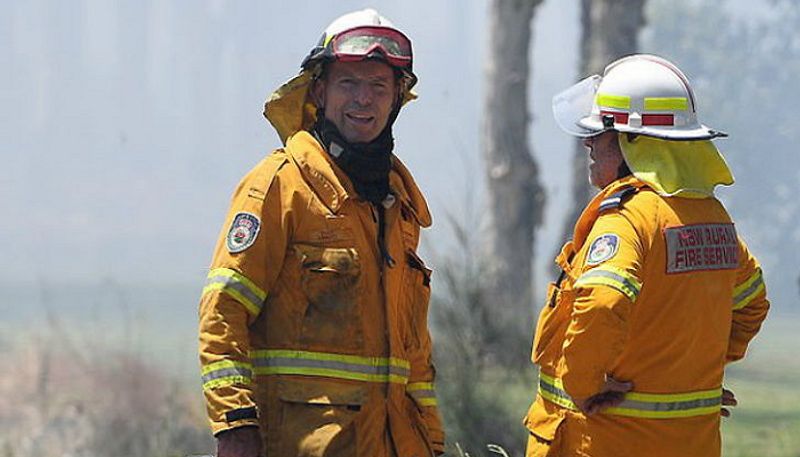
592,210
318,170
333,187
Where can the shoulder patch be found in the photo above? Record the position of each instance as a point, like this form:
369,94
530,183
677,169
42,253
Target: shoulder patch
603,248
243,232
616,199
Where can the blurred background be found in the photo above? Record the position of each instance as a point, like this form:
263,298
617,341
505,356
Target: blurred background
125,125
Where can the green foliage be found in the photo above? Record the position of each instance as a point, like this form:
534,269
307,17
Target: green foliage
483,394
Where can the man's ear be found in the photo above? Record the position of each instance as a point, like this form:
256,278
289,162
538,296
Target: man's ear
318,92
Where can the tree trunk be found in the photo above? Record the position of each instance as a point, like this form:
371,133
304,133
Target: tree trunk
515,195
610,30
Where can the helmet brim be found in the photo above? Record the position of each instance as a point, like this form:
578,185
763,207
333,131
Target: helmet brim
701,132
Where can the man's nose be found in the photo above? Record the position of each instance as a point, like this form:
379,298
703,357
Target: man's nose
363,95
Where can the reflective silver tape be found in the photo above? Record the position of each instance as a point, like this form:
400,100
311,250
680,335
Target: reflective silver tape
229,282
422,393
633,288
376,370
670,405
745,293
638,405
225,372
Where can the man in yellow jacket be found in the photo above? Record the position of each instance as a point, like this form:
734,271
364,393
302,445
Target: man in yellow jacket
657,291
313,320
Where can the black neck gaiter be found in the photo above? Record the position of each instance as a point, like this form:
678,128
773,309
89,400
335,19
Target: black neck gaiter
366,164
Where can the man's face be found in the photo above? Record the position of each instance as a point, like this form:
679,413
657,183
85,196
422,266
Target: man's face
358,97
606,158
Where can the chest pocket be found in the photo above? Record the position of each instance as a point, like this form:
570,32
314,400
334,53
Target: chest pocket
329,278
556,314
417,294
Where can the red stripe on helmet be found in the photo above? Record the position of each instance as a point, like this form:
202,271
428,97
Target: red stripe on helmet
619,118
658,119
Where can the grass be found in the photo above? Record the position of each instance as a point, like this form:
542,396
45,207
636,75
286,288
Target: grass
70,387
767,385
767,421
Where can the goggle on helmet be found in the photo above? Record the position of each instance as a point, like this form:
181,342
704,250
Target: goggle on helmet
364,35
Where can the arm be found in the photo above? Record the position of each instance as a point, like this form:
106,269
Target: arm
247,260
606,291
421,380
750,304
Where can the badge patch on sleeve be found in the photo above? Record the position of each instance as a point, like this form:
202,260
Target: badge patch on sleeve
243,232
603,248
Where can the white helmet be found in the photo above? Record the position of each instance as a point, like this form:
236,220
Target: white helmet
641,93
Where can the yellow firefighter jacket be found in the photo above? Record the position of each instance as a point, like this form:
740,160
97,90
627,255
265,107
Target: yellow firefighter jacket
305,329
657,291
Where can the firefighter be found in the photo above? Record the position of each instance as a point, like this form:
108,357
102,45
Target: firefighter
657,291
313,320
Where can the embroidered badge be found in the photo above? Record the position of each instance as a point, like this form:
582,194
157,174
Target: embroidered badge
603,248
243,232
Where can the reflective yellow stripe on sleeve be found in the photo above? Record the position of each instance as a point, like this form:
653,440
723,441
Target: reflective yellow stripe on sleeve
644,405
237,286
422,392
225,373
615,278
330,365
745,292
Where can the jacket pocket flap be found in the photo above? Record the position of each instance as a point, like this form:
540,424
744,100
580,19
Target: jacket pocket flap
323,259
543,419
321,392
415,262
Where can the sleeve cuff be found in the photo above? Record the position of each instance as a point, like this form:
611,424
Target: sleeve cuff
236,418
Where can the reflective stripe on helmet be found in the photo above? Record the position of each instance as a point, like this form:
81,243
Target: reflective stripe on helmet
225,373
665,103
306,363
651,406
745,292
423,393
614,101
612,277
645,94
237,286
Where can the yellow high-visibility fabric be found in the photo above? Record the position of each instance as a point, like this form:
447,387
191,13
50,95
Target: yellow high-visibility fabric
339,334
690,169
653,306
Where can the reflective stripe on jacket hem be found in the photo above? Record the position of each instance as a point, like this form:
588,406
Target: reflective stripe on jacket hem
352,367
651,406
